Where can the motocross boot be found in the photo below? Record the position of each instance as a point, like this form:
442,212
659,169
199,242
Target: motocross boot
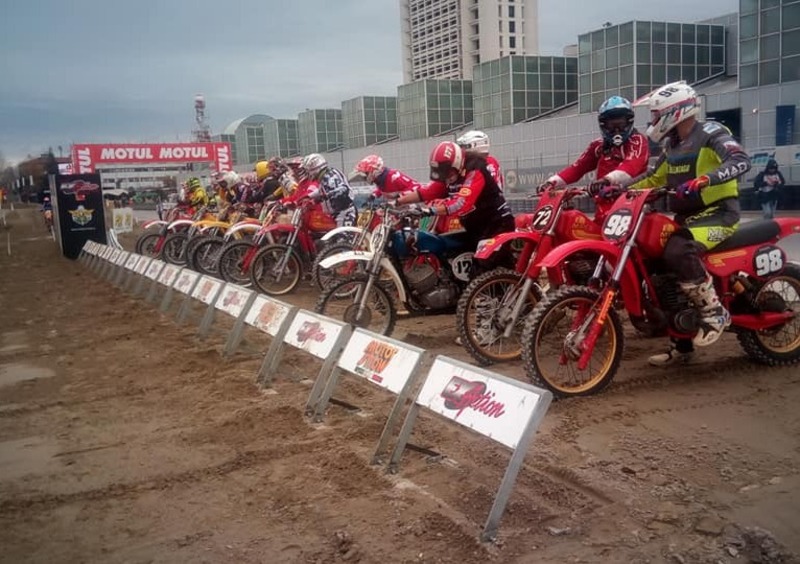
714,318
679,353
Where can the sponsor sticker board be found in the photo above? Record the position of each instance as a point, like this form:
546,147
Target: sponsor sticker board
494,408
122,258
185,281
154,269
312,333
168,274
233,299
130,264
267,315
206,289
141,265
383,361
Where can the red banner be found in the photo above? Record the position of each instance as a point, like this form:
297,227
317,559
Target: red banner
86,157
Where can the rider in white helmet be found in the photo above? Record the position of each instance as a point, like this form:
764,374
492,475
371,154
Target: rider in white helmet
476,144
333,189
701,161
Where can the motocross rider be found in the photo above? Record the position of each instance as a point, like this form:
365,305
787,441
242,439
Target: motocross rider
701,161
333,189
470,192
478,142
388,182
195,193
617,156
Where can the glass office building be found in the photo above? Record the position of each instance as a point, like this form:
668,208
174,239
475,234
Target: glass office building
769,42
367,120
633,58
513,89
320,130
429,107
281,138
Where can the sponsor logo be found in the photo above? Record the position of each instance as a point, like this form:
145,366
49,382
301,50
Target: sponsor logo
666,233
223,158
311,331
461,394
375,358
465,192
266,314
233,299
85,160
80,189
81,216
183,282
679,169
205,290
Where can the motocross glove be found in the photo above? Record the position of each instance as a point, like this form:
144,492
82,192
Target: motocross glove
596,187
549,185
691,188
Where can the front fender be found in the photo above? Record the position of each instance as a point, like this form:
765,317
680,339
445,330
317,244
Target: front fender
243,227
366,256
154,223
630,287
185,223
339,230
280,227
487,247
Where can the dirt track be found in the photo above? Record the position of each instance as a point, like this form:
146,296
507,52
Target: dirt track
123,438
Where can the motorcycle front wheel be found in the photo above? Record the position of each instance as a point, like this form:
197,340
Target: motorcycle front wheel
205,253
174,249
148,244
343,300
485,309
264,273
550,347
230,262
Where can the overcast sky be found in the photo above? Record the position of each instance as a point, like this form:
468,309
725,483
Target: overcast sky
110,70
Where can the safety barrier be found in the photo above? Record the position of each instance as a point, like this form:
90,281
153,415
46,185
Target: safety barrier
504,410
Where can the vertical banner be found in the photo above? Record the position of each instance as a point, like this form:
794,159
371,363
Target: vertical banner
123,220
78,202
784,125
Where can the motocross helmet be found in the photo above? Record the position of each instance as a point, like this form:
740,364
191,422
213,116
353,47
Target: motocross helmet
314,164
446,162
370,167
615,117
670,105
474,142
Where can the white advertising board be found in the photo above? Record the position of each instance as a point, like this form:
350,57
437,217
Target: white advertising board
130,264
106,252
494,408
122,258
168,274
267,315
382,361
206,289
233,299
313,333
142,264
154,269
185,281
114,256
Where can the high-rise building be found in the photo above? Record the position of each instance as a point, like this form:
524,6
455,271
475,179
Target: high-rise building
431,107
769,42
446,38
367,120
320,130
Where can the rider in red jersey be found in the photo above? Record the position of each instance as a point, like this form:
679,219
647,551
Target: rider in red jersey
619,155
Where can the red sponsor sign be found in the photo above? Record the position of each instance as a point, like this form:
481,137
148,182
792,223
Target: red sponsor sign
86,157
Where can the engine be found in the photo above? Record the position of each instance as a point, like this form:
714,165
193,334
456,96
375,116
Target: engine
680,314
432,285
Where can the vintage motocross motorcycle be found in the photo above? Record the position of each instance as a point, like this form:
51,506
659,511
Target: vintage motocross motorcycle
426,271
492,310
277,269
573,340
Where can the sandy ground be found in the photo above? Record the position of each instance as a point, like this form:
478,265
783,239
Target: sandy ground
125,438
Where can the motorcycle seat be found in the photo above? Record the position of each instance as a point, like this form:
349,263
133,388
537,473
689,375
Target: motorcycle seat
751,233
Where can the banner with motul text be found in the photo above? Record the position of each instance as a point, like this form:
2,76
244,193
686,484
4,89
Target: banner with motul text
86,157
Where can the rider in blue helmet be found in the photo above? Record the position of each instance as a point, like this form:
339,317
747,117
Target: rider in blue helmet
615,116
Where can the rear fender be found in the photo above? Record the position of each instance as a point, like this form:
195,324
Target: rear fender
239,227
488,247
789,226
366,256
630,288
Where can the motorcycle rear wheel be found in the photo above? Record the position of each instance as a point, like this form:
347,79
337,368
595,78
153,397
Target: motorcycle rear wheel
779,346
487,299
341,300
547,360
263,273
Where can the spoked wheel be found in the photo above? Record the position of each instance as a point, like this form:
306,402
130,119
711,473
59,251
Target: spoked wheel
150,244
342,300
205,255
268,277
231,262
484,311
324,277
174,250
553,340
777,346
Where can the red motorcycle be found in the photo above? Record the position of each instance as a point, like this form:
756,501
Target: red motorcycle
277,269
493,308
573,340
